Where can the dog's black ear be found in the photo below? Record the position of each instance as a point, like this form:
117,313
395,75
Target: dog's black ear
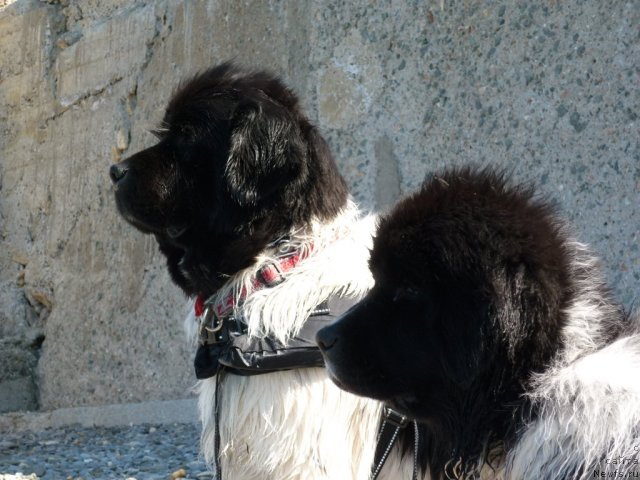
266,151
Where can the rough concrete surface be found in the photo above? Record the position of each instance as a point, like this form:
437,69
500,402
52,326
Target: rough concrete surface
549,90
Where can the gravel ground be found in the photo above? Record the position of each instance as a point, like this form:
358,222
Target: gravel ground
138,452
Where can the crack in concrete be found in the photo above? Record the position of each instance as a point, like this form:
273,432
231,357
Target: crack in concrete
128,105
59,28
61,109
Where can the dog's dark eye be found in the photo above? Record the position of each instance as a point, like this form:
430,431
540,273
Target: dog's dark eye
406,294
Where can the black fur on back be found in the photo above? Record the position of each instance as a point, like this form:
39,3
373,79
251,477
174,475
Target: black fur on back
472,279
237,165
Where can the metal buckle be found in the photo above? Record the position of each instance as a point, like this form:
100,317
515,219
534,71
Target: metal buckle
208,334
206,316
395,418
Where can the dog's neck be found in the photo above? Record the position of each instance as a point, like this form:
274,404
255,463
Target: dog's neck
285,257
334,261
203,260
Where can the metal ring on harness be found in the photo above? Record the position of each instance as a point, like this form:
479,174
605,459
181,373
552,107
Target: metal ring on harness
206,331
205,319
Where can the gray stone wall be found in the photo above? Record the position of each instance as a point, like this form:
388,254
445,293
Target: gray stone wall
549,90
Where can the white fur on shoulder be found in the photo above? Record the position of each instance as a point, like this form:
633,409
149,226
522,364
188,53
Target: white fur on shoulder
589,399
587,317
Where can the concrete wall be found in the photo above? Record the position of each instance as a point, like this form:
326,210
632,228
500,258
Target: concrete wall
550,90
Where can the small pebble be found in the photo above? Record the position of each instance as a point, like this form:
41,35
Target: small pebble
178,474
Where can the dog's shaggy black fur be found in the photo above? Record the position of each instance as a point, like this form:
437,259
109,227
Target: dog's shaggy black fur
474,279
240,182
237,165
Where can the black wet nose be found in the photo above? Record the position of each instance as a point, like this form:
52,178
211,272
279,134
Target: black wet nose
326,338
117,172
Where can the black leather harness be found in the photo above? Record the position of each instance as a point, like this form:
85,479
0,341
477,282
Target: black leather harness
225,343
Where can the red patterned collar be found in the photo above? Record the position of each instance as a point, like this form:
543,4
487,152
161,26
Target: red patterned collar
268,276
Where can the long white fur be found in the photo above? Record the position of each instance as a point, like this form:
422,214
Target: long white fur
297,425
590,398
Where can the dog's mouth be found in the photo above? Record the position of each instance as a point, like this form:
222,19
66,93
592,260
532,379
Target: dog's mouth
132,216
336,379
173,231
144,227
357,383
348,386
373,384
403,403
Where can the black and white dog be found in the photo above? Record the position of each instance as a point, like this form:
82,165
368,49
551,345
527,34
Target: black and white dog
245,201
493,328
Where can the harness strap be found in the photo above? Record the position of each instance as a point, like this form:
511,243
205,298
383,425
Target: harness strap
391,424
416,444
216,420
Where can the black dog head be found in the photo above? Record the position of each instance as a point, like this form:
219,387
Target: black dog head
236,166
471,281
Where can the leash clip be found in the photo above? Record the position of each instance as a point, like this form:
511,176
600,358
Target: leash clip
210,325
208,315
395,418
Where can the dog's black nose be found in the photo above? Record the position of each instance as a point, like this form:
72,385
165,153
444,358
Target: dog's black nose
118,171
326,338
